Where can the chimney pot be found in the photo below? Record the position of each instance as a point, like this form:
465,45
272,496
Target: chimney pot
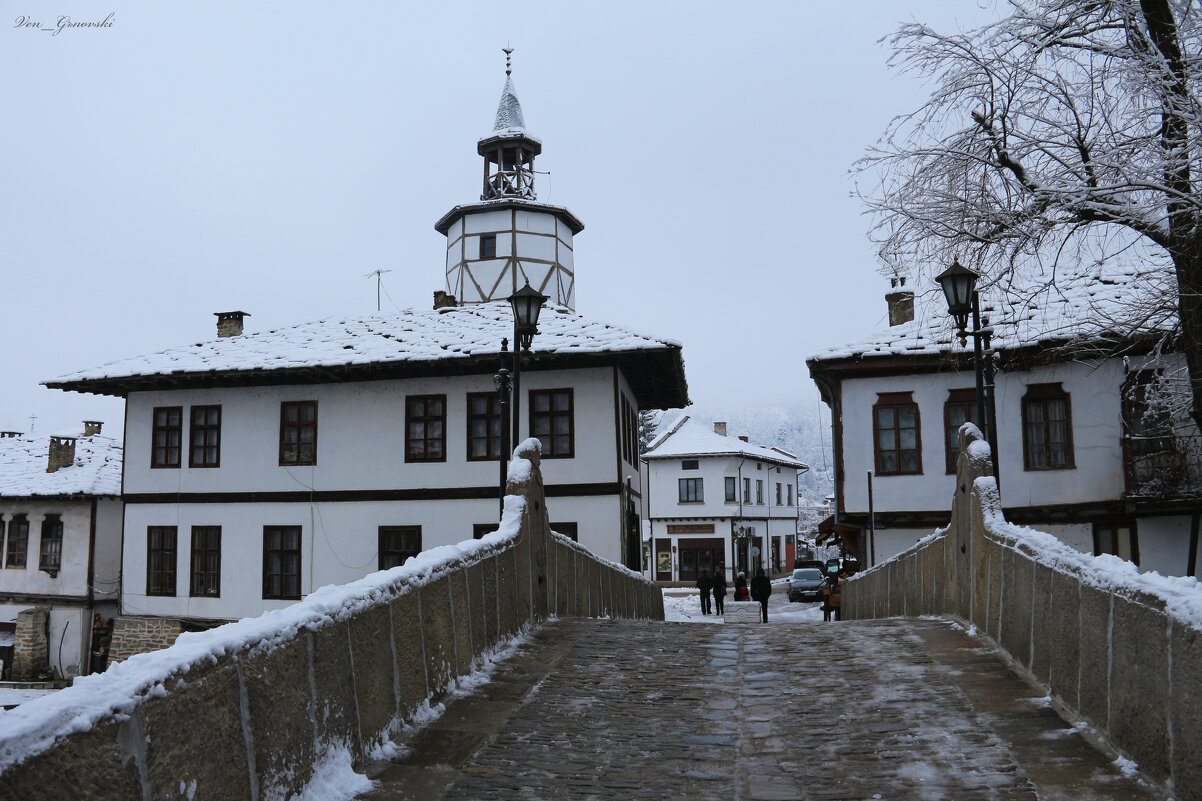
901,307
229,324
444,301
92,427
742,438
720,428
62,453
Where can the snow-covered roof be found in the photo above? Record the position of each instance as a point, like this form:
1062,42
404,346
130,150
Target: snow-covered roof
510,121
428,342
1089,303
23,461
690,438
569,219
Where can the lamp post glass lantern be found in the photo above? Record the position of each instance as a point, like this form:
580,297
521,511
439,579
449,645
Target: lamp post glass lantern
959,288
526,303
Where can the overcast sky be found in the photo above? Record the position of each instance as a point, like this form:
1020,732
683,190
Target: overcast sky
195,158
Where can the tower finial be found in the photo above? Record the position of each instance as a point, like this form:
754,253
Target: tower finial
508,51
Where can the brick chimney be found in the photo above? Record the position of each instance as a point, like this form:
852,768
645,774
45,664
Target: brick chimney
62,453
719,428
444,301
92,427
229,324
901,302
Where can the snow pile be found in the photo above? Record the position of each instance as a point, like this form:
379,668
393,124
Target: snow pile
95,471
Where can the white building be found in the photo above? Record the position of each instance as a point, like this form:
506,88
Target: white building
718,502
1078,455
264,465
60,540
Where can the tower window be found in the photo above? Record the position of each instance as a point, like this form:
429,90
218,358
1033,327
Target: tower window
488,246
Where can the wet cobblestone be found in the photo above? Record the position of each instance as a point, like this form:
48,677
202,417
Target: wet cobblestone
891,710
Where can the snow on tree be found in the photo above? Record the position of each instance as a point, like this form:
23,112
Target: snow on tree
1066,129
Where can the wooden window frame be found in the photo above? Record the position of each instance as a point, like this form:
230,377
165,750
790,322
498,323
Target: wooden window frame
492,240
159,454
425,419
690,464
569,530
1113,525
957,399
161,560
695,492
50,559
194,429
747,490
1042,393
204,575
731,489
896,401
277,556
479,530
16,551
759,492
788,495
492,443
779,494
384,532
534,416
298,426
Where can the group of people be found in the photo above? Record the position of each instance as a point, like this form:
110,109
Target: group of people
713,591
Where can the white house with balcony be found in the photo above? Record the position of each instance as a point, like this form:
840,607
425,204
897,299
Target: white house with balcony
263,465
1083,451
717,502
60,549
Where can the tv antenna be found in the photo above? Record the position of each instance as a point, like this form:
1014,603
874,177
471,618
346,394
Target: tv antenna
379,277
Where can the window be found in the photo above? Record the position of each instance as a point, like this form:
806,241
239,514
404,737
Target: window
18,542
747,490
205,437
206,562
569,530
50,558
480,529
398,543
281,562
1047,428
689,464
483,426
160,560
691,490
630,432
1118,538
298,432
488,246
167,431
896,433
789,494
425,428
759,466
960,408
551,422
778,494
759,491
731,490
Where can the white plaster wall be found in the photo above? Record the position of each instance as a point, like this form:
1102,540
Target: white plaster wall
1096,423
1076,535
890,542
664,493
72,579
106,565
529,236
483,221
70,637
1164,545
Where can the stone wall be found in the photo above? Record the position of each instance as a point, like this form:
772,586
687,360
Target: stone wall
137,635
245,711
31,649
1108,651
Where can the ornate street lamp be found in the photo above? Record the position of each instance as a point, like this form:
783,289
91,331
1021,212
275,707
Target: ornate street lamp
960,290
527,302
504,383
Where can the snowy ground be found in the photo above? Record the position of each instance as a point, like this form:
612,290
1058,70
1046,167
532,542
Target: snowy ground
683,605
10,697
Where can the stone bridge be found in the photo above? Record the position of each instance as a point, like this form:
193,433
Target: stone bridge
590,695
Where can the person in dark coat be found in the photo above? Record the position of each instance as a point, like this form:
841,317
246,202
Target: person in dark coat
706,585
719,590
761,590
741,587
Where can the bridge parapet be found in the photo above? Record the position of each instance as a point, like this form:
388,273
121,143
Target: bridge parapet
1121,649
251,709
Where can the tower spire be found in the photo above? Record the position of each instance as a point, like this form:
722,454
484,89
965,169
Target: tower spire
508,51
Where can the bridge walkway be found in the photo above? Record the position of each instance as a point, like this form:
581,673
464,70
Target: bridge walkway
598,709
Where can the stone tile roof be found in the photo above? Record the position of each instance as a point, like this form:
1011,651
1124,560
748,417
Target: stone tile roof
23,461
688,437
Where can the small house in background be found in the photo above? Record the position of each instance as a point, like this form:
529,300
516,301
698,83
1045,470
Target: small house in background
719,502
60,551
1095,442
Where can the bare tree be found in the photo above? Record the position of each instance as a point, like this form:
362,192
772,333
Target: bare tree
1067,126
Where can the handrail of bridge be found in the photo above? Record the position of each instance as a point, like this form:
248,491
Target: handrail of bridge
249,709
1120,649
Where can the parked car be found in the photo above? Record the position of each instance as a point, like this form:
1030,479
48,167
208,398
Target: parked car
806,584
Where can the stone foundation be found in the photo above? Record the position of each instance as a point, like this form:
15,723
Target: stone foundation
31,649
138,635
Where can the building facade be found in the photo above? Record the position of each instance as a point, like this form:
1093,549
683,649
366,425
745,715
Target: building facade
717,502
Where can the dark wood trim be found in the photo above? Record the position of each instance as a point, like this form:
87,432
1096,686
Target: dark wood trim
966,398
493,402
44,600
1044,392
447,220
155,428
282,551
382,533
552,412
192,429
162,590
426,419
896,401
342,496
299,424
618,417
213,590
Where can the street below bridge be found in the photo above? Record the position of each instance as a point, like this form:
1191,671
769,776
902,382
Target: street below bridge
607,709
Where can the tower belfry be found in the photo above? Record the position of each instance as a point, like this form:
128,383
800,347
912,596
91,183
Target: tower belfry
508,238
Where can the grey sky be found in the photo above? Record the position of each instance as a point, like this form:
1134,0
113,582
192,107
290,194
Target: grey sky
195,158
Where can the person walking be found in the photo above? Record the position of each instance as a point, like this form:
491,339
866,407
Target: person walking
741,587
706,585
761,590
719,590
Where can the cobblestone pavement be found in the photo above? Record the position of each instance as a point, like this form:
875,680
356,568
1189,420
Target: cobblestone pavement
593,709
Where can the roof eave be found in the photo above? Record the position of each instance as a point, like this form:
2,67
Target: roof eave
568,218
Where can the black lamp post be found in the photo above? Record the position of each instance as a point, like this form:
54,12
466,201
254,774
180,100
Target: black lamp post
504,383
960,289
526,303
